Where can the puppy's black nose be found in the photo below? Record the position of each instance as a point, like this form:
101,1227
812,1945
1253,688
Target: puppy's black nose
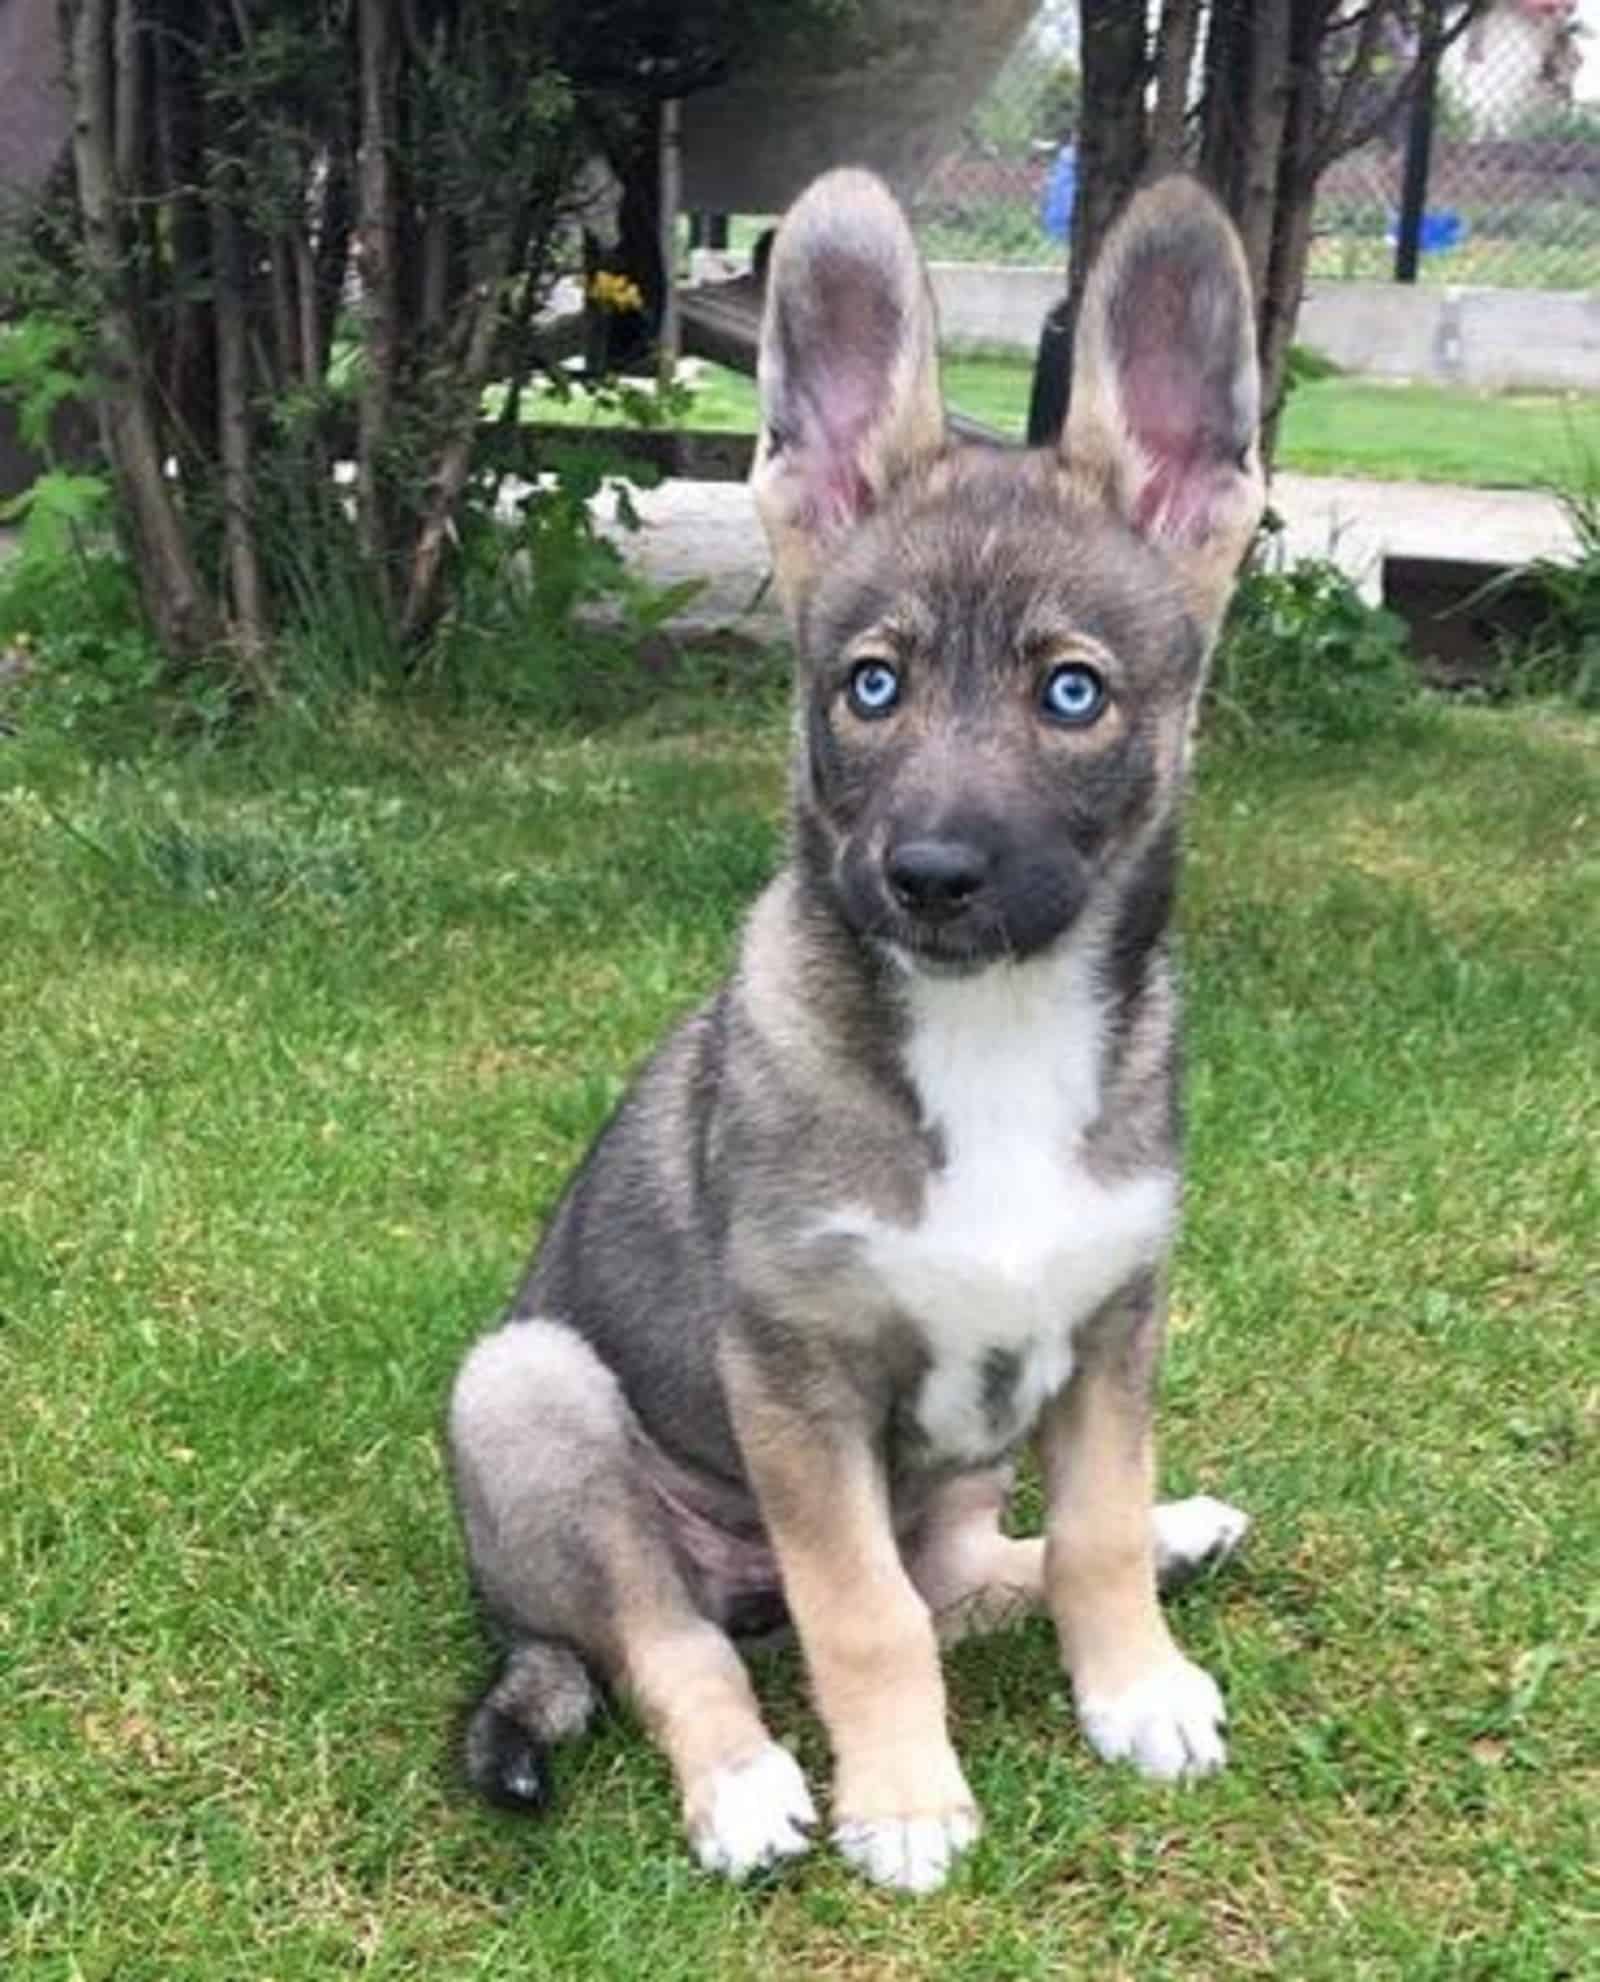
935,879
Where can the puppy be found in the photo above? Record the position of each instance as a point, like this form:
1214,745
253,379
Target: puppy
899,1197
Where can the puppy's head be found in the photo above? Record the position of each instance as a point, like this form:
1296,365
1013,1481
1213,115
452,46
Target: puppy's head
999,652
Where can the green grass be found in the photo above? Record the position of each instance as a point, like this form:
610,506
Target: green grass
300,1037
1346,426
1333,426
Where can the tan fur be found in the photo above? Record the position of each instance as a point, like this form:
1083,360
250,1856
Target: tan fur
872,1657
1098,1453
693,1692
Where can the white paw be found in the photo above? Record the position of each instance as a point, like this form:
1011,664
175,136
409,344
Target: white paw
913,1854
752,1815
1168,1724
1195,1534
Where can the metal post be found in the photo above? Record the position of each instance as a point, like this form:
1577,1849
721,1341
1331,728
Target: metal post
671,337
1419,147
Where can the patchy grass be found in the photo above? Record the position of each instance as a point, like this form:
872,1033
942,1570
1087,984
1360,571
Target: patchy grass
1332,426
300,1038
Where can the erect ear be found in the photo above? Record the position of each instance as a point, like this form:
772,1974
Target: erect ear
849,370
1161,424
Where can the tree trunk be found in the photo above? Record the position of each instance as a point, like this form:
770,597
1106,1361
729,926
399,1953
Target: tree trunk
186,351
1111,135
179,608
1175,46
1266,110
1227,70
456,458
248,620
376,237
1278,299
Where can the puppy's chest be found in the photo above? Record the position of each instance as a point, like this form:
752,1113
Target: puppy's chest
1019,1244
1020,1240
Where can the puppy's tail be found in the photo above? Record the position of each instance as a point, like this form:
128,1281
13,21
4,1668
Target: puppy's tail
542,1694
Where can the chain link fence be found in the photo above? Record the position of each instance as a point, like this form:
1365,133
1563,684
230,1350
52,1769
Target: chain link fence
1513,196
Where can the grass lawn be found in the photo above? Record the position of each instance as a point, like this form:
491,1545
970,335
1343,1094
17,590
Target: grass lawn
1335,426
300,1038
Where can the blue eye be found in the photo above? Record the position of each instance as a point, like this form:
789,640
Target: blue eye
874,688
1074,693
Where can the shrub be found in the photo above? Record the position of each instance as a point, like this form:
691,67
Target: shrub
1302,655
1562,656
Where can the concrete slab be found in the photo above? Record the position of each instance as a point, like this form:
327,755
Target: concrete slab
1358,523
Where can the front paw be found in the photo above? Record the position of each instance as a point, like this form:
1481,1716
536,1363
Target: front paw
906,1830
746,1817
1168,1722
914,1853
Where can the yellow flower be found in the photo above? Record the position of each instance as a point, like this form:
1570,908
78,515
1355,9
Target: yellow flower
617,293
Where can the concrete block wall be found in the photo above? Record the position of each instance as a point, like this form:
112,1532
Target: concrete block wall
1493,339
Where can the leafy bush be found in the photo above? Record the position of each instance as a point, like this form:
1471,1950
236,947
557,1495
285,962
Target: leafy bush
71,625
303,275
529,561
1303,655
42,366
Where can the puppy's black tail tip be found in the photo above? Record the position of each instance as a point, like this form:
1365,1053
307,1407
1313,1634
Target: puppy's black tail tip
505,1765
542,1694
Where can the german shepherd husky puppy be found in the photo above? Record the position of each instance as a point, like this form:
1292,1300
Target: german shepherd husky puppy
899,1197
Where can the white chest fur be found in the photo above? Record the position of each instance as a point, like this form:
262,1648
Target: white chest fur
1019,1242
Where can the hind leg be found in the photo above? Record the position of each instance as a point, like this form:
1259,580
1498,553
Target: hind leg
1193,1535
971,1576
974,1578
569,1551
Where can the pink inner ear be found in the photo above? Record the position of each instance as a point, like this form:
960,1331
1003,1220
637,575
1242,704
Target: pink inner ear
1175,350
827,459
1179,496
840,337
